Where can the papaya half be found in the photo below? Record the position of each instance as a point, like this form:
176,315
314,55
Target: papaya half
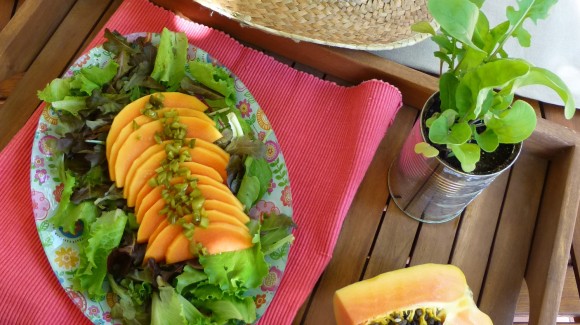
422,294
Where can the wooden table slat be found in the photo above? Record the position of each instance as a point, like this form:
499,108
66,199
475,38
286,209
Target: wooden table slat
434,243
559,203
513,239
570,305
475,237
7,8
27,33
52,61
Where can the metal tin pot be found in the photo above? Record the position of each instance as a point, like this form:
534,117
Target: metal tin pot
430,189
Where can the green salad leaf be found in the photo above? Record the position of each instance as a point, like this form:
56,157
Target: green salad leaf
275,232
170,308
56,90
236,271
255,181
171,59
215,78
133,303
102,237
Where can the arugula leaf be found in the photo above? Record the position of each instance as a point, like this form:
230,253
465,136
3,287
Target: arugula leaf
475,85
171,58
514,124
456,17
468,154
427,150
103,236
532,9
487,140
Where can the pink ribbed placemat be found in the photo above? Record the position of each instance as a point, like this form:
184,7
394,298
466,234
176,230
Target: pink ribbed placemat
328,134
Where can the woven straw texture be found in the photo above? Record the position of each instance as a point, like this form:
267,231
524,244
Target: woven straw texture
355,24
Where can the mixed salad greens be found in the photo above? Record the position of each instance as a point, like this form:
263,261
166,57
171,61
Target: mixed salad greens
209,289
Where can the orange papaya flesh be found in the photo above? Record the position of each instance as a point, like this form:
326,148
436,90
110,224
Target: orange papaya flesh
141,120
217,216
423,293
151,198
228,209
159,228
151,219
147,169
142,138
157,247
193,166
216,238
134,109
214,193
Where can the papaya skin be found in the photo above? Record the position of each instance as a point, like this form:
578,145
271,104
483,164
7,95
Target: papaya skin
427,285
133,110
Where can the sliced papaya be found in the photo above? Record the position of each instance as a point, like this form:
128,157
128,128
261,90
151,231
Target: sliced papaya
158,247
151,219
144,137
193,167
142,119
147,169
214,193
133,110
178,250
214,216
151,198
216,238
159,228
422,294
228,209
155,194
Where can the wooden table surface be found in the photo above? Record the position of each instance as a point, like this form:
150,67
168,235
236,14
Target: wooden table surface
499,240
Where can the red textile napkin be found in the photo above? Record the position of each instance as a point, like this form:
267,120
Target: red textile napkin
328,135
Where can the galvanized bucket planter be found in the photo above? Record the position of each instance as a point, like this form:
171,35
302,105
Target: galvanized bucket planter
431,190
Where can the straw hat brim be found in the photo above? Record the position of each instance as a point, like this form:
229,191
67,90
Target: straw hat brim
354,24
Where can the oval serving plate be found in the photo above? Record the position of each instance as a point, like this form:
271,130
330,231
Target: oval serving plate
61,247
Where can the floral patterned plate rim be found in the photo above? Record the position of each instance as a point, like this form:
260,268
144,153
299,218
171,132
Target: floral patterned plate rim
61,248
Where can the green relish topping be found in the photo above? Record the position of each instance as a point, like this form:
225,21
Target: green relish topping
182,197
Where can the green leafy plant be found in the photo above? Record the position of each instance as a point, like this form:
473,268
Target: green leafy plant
478,111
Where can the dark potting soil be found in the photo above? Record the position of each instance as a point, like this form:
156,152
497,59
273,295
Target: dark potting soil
489,163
